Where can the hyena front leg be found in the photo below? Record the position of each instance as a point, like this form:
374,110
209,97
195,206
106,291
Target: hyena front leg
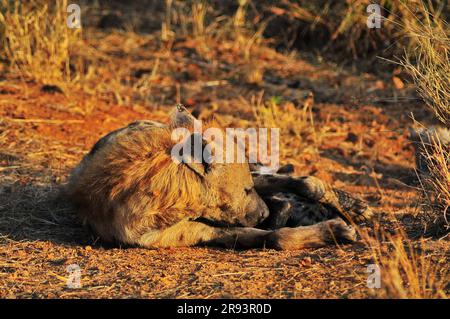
280,212
191,233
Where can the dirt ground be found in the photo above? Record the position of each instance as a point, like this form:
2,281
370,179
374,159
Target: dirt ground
356,137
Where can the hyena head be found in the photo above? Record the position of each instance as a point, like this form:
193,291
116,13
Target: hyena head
234,195
230,194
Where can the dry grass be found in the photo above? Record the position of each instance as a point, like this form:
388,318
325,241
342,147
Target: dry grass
440,182
36,48
436,184
428,62
343,25
406,268
296,120
52,53
440,170
429,65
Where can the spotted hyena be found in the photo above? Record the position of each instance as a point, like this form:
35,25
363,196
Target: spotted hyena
129,190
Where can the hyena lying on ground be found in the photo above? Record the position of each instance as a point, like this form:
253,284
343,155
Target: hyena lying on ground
129,190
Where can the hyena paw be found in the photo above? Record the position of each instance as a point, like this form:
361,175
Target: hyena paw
355,208
338,231
311,187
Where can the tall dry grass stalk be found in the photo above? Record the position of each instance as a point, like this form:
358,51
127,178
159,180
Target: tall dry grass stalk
198,18
299,130
406,270
36,40
166,26
185,18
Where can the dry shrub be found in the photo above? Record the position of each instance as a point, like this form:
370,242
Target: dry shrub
428,63
36,40
406,269
439,163
342,25
436,182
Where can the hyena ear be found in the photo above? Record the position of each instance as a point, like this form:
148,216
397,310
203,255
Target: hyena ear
180,117
196,154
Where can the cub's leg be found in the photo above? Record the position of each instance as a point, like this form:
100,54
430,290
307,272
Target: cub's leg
308,186
191,233
281,210
312,188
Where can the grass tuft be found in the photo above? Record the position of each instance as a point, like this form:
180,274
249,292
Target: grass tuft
37,49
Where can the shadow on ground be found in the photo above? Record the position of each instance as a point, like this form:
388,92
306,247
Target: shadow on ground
35,212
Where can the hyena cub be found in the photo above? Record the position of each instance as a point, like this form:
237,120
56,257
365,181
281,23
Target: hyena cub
129,190
292,208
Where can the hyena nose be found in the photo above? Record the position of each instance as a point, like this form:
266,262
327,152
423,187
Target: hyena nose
262,211
255,212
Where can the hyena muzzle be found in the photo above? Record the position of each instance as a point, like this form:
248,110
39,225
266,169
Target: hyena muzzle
129,190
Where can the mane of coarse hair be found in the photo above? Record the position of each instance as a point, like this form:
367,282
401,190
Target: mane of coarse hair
139,166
